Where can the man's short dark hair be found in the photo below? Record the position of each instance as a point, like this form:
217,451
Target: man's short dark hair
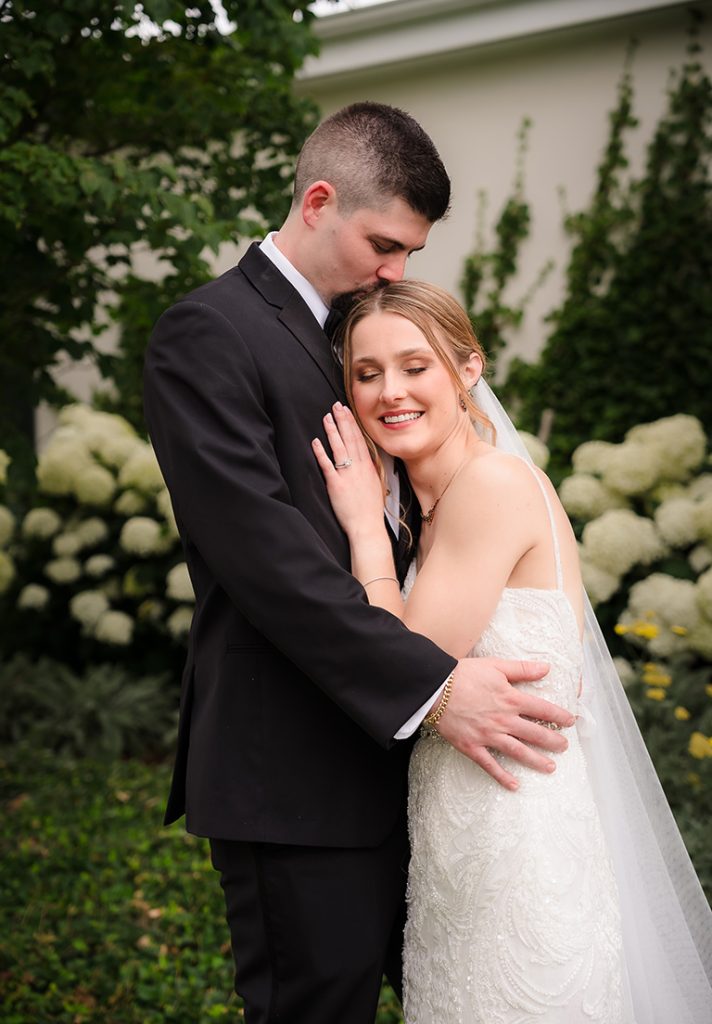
372,153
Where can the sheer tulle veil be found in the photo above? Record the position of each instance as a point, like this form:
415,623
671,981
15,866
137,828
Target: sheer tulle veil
667,923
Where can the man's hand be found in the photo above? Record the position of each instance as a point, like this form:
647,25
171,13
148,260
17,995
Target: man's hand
485,711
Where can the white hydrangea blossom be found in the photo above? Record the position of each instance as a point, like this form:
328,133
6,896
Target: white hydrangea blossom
165,507
671,605
7,525
703,518
586,497
143,536
116,450
599,584
94,485
626,672
4,463
114,628
33,597
591,456
41,523
63,570
620,539
88,606
665,490
679,441
130,503
66,544
538,452
699,639
7,571
92,531
179,621
631,468
700,487
64,458
700,558
704,593
178,585
141,471
677,522
98,565
673,601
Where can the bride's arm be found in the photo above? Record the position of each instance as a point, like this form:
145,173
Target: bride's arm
489,520
356,493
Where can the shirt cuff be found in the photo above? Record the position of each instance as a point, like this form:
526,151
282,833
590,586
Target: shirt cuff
415,720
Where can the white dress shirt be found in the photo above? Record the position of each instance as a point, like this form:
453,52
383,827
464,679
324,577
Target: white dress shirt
320,310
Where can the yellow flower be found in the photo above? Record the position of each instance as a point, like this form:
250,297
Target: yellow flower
708,689
700,746
657,693
620,629
657,678
646,629
682,714
679,630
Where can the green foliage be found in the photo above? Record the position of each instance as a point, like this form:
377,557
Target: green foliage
632,340
487,273
125,127
91,569
670,715
103,713
106,916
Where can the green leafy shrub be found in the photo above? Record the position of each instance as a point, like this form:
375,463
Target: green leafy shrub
104,713
632,340
108,918
93,571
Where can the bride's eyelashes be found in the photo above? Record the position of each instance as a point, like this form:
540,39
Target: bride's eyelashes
365,376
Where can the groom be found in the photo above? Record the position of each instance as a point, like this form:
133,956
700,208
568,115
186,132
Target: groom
298,696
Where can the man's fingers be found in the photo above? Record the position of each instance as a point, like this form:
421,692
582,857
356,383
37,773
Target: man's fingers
522,671
539,736
541,710
490,764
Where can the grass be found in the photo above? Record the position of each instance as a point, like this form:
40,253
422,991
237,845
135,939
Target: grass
107,917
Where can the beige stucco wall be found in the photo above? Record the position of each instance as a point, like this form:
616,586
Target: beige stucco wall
472,106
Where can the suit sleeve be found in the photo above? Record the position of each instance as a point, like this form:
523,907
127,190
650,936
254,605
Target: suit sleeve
214,441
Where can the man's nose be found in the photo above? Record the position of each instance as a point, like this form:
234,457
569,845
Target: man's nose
393,267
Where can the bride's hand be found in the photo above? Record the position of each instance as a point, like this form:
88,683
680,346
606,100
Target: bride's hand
352,481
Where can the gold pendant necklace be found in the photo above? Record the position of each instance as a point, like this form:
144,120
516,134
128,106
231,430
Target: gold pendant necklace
427,517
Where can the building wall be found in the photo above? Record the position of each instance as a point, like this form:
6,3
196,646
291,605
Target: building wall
472,106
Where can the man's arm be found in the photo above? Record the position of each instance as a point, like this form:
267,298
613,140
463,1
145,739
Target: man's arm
214,441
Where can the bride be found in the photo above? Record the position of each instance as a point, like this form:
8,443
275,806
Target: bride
571,898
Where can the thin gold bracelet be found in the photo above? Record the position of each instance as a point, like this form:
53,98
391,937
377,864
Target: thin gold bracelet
434,717
377,578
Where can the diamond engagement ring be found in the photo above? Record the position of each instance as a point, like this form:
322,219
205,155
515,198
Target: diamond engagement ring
343,465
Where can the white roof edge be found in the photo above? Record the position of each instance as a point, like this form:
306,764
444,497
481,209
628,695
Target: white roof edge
411,30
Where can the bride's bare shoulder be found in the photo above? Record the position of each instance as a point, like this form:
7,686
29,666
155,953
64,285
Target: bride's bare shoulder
499,473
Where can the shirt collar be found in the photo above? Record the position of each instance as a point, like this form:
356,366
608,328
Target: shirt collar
307,290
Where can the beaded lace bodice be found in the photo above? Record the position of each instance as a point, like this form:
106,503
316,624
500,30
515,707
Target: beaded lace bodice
512,909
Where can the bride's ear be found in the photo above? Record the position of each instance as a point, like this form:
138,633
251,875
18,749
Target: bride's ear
471,370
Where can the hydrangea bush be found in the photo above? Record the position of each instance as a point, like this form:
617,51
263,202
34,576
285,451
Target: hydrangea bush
643,512
94,571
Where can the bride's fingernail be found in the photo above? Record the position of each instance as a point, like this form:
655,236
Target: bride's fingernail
338,405
329,418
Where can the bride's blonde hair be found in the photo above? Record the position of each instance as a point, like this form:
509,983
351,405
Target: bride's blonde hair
442,321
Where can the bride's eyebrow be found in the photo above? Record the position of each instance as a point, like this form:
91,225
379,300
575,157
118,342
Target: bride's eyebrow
403,354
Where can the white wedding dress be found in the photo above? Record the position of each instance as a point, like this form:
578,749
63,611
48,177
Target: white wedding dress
513,913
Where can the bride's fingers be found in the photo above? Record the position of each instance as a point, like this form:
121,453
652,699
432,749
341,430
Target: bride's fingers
350,432
325,463
338,448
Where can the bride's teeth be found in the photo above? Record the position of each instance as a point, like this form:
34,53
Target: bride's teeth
402,417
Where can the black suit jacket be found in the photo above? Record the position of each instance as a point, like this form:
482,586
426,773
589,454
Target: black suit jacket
294,685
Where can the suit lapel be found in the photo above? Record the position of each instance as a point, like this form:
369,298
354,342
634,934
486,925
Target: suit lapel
293,312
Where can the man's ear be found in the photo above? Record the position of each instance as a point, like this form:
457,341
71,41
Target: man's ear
471,370
318,197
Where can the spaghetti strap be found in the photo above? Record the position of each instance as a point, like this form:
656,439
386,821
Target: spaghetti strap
554,534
